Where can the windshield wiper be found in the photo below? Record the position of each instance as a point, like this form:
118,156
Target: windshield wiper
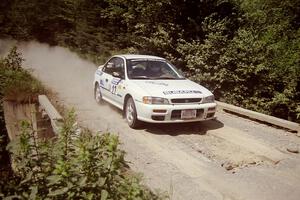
163,78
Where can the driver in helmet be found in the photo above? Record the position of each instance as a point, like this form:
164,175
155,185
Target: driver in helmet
155,70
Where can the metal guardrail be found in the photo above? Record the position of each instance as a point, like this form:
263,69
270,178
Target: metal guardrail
261,117
55,118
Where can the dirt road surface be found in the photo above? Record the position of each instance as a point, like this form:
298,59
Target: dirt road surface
229,158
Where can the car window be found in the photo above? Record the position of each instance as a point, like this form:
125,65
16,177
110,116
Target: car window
151,69
108,67
115,65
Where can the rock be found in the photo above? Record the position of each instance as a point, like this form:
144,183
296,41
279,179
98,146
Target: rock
292,149
252,163
228,165
199,151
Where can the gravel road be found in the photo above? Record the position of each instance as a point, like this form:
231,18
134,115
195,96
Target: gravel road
228,158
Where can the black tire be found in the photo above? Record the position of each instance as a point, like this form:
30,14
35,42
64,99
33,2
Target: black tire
97,94
130,114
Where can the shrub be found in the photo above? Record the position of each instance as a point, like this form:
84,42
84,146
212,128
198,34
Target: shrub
16,83
73,165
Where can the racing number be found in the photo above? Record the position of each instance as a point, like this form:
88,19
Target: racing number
113,89
114,85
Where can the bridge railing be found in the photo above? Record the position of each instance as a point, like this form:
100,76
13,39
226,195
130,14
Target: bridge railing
55,118
295,127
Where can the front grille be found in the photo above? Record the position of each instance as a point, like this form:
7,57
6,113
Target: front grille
186,100
176,114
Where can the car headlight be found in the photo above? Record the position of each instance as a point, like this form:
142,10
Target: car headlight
155,100
209,99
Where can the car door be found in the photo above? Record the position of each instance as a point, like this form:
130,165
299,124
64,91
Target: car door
106,78
117,81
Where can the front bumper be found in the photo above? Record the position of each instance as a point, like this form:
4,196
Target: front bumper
172,114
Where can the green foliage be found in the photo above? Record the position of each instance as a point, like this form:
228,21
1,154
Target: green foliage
203,59
73,165
16,83
257,66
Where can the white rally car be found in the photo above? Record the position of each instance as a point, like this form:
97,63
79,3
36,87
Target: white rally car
150,89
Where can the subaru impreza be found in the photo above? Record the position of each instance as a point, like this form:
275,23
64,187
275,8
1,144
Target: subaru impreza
151,89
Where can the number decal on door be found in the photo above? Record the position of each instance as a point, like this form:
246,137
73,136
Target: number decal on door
114,83
113,89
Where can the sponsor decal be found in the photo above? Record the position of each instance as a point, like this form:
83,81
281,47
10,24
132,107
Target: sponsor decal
99,72
114,83
101,82
156,83
182,92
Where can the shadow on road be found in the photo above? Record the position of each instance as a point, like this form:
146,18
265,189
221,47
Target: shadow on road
196,128
174,129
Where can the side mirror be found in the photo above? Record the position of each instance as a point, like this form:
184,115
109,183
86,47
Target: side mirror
100,67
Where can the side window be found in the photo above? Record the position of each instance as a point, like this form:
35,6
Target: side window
110,65
115,66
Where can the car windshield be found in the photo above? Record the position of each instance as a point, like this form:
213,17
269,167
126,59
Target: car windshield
151,69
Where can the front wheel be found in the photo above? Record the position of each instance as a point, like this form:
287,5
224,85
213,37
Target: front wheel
130,114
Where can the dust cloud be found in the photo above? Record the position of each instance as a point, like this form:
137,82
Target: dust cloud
59,69
40,54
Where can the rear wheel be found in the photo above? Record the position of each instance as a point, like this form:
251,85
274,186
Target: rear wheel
97,94
130,114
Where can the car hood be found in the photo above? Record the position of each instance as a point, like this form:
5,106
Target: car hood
172,88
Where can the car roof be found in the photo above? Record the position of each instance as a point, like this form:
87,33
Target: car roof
136,56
